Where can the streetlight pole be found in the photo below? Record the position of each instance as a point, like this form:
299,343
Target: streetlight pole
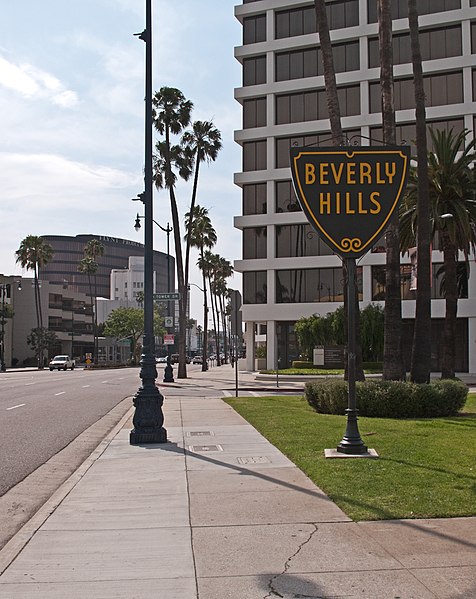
148,416
168,370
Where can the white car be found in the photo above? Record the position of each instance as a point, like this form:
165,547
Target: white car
61,363
161,360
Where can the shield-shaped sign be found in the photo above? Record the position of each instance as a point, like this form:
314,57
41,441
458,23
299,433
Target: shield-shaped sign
349,194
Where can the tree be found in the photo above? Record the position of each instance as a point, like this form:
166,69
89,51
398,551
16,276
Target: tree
128,323
33,253
421,352
204,143
40,340
171,114
452,191
393,368
202,235
89,265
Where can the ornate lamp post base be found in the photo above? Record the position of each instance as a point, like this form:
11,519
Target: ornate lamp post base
351,441
168,372
148,418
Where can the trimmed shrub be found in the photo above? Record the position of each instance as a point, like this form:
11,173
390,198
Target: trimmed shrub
301,364
389,399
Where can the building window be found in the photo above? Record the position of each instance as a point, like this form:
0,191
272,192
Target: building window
286,200
255,287
254,199
308,62
254,113
434,44
254,155
301,21
425,7
440,90
295,241
254,70
406,132
254,29
312,105
254,243
312,285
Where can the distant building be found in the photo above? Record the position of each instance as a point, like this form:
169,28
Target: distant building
68,251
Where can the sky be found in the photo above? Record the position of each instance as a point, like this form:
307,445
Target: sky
72,118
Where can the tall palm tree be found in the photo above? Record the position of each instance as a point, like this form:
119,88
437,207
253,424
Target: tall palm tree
333,108
421,351
224,271
393,367
202,235
203,141
89,265
33,253
171,114
452,187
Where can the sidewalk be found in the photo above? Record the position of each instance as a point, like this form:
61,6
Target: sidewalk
219,513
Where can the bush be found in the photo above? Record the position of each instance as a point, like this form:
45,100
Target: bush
301,364
389,399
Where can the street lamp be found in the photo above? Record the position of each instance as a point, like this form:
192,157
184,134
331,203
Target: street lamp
148,417
168,371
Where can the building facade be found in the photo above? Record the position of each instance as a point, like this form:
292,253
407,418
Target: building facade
68,251
288,272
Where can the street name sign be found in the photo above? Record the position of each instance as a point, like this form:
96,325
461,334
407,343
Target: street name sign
166,296
349,194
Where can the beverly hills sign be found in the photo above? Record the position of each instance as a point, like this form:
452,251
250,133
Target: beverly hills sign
349,194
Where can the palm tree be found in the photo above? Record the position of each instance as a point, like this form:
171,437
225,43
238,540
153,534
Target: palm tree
223,272
421,351
393,368
204,143
33,253
89,265
171,114
452,187
202,235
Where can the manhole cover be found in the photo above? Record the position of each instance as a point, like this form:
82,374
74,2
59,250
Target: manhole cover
254,460
198,448
200,434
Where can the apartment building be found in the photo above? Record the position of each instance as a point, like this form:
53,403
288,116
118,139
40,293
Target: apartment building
288,271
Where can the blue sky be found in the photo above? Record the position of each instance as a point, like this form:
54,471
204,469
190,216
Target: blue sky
72,114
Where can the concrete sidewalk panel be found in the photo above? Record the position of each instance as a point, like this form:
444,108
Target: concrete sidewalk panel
449,583
183,588
427,543
62,556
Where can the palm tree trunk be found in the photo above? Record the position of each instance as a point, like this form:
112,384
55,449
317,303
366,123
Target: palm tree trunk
451,308
421,349
190,222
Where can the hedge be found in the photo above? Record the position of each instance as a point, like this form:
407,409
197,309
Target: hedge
389,399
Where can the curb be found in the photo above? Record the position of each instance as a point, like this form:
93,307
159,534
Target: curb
17,543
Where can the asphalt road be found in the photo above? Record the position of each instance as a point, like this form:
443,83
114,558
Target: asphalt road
41,412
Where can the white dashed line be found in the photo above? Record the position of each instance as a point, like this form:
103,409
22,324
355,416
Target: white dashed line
60,393
86,386
18,406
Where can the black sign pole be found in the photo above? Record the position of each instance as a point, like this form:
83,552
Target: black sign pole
351,442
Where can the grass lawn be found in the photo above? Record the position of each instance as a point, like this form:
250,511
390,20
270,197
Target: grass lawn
426,468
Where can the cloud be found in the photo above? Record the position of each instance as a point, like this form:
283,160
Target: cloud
33,83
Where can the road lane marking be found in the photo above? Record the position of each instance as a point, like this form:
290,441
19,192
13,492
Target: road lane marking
60,393
86,386
18,406
104,381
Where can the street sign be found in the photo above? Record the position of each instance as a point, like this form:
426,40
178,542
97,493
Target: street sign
349,194
169,339
166,296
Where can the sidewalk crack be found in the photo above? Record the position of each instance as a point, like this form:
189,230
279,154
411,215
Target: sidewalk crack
271,584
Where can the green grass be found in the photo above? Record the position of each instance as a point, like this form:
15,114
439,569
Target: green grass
426,468
317,371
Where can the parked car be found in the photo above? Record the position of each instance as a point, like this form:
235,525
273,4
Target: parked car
197,360
161,360
61,363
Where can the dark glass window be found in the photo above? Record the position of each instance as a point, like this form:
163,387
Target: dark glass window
254,155
406,133
301,21
254,243
434,44
283,144
254,29
286,200
254,199
312,105
440,90
254,70
425,7
254,113
255,287
312,285
294,241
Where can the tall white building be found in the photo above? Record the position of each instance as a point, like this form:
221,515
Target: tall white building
126,283
288,272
